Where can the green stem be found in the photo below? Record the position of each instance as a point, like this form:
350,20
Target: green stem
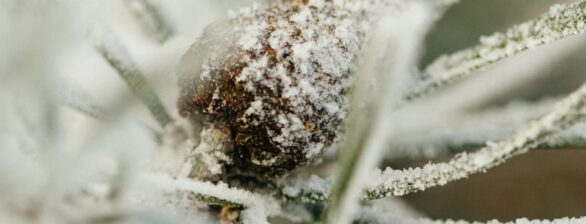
152,19
136,82
551,26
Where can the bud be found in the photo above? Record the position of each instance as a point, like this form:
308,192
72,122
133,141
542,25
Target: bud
275,80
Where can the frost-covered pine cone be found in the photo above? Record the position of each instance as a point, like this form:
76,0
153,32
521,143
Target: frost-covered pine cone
276,79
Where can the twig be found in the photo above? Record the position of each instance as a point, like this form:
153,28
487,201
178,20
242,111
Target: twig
72,96
395,182
388,58
470,130
205,192
401,182
561,21
315,190
373,217
117,56
210,200
460,129
574,138
565,220
152,19
256,207
423,152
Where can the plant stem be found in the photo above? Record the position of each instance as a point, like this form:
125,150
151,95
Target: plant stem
118,58
150,16
71,95
561,21
388,57
396,182
400,182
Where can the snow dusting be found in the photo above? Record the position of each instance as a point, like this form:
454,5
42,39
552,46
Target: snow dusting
396,182
561,21
282,70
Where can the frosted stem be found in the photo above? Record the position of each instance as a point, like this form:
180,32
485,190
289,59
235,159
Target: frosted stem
423,153
256,207
72,96
561,21
395,182
420,153
387,60
204,192
370,217
151,18
565,220
115,54
400,182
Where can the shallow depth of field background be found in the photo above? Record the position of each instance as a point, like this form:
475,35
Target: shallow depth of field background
542,184
539,185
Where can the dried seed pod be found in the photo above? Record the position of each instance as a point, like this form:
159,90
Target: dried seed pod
275,80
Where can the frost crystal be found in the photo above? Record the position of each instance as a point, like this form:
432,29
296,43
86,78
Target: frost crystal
395,182
561,21
276,77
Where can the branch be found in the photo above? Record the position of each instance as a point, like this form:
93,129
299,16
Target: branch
256,207
211,200
387,59
151,19
375,217
564,141
315,190
390,211
401,182
395,182
72,96
204,192
463,131
117,56
574,138
566,220
561,21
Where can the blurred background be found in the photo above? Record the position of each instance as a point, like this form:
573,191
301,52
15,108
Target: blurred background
42,42
542,184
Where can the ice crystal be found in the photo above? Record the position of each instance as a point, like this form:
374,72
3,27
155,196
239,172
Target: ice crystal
277,76
561,21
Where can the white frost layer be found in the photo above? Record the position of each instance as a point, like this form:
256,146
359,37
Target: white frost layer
463,128
389,182
561,21
396,182
258,207
296,60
